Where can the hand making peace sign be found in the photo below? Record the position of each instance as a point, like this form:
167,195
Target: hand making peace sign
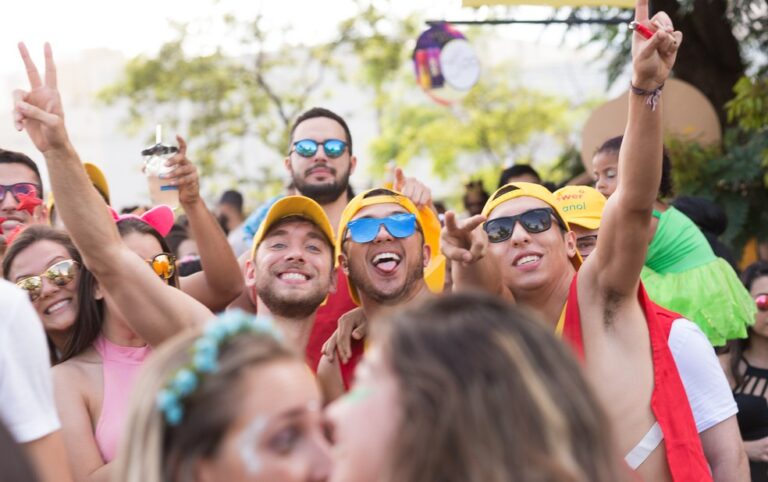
39,111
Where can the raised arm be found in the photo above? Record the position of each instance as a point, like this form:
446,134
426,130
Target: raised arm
621,248
473,266
152,308
221,279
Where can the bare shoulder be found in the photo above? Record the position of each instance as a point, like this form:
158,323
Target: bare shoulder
78,369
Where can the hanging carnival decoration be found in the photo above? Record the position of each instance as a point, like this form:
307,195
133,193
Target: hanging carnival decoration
445,64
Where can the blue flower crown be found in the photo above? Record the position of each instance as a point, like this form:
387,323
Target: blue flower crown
204,358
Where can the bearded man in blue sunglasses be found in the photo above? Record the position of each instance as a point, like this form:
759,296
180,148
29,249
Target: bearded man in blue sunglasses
390,251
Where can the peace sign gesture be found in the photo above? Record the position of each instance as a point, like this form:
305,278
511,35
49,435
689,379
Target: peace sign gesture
463,240
653,58
39,111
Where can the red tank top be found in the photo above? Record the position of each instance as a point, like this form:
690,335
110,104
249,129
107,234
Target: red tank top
669,402
328,315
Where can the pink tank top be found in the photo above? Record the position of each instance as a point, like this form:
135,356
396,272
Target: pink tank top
121,367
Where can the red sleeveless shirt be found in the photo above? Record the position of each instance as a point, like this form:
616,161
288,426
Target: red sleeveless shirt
669,401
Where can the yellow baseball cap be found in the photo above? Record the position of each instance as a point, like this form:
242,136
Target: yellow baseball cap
515,190
299,206
434,273
98,179
581,205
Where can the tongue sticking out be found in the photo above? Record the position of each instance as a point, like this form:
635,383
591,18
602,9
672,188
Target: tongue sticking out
387,266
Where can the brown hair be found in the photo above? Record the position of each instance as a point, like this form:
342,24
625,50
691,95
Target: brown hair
489,395
154,451
90,311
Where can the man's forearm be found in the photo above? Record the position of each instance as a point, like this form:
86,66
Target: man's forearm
640,157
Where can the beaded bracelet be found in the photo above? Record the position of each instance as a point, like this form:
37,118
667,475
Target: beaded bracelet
653,96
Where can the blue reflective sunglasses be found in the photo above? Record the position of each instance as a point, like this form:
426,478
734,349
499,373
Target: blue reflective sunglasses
364,230
307,147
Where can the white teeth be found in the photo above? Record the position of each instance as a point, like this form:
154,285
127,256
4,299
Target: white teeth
386,256
294,276
527,259
56,306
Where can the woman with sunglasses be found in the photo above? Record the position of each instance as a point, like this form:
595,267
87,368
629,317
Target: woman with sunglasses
96,351
42,261
746,366
140,309
681,271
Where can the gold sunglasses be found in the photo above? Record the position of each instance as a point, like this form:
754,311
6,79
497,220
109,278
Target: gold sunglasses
60,274
164,265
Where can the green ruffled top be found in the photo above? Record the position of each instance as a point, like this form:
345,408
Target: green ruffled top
683,274
678,244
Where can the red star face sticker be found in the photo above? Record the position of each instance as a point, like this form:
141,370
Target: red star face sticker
2,220
28,202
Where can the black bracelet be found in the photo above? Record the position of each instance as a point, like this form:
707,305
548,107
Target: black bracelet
652,95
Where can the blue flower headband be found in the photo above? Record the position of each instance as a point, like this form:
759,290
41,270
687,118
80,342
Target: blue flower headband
205,354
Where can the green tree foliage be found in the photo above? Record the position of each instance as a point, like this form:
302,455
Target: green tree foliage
222,100
750,105
491,126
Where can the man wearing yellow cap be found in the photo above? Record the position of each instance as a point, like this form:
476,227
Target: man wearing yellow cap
582,207
390,251
320,161
603,313
291,269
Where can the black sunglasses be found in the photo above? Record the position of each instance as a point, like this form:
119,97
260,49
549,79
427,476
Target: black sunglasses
534,221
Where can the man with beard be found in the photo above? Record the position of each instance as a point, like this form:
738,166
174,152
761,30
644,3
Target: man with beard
21,194
291,269
320,161
390,250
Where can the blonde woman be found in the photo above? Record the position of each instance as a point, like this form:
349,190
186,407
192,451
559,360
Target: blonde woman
229,402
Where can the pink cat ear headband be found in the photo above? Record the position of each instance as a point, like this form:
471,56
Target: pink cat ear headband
159,217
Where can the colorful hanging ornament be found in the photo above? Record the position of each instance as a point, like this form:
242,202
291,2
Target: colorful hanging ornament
445,63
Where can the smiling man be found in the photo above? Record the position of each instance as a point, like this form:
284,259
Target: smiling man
21,194
291,270
522,247
320,161
390,251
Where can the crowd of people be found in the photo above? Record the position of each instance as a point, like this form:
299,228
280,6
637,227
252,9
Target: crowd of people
573,334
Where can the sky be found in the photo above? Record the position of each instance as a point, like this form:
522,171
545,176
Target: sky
141,26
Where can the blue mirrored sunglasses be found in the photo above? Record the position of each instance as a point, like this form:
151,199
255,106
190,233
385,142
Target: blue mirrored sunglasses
364,230
307,147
